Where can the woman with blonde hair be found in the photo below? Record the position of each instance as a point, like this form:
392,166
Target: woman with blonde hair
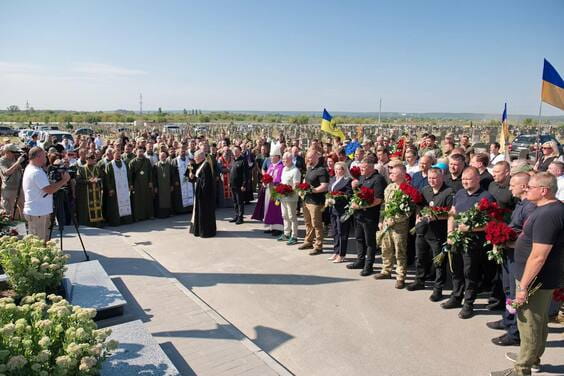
340,182
550,153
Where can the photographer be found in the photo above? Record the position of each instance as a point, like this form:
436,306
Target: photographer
11,173
38,194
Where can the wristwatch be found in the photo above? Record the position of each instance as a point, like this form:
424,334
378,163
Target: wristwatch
520,289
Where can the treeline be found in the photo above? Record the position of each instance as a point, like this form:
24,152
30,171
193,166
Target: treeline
197,116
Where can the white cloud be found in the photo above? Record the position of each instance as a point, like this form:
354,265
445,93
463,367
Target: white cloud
7,67
106,70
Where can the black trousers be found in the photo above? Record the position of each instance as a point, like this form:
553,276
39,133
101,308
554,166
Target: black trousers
467,270
365,234
340,234
238,201
425,249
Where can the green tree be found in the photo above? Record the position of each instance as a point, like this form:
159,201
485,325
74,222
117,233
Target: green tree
528,122
160,111
13,108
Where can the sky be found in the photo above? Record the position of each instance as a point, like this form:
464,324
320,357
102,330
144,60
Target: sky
418,56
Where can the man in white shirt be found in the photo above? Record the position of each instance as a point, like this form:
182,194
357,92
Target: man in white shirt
556,168
38,194
495,156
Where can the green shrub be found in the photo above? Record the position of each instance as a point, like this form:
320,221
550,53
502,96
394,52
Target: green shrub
31,265
50,337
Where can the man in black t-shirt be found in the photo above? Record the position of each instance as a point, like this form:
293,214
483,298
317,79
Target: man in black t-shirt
481,162
367,217
318,178
538,254
453,177
467,265
431,235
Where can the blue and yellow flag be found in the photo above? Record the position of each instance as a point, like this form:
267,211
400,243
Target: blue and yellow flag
329,127
552,86
504,134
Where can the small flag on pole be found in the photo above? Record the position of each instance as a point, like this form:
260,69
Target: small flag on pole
504,134
328,126
552,86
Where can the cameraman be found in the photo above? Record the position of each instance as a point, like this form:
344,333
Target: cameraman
11,173
38,193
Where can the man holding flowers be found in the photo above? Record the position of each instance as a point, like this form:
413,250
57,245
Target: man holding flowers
538,268
314,202
431,232
395,226
467,262
367,216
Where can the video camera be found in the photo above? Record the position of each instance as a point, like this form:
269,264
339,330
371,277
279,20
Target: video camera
55,172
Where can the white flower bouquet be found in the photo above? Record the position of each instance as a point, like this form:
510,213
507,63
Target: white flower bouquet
45,335
31,265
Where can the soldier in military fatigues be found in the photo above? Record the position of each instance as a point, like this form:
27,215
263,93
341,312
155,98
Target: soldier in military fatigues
394,240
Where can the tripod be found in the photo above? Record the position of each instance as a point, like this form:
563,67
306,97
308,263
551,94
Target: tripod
60,199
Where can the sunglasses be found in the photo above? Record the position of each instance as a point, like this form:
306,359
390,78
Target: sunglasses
547,147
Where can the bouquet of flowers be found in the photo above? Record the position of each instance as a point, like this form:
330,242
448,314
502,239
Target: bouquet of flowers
431,213
332,197
492,209
401,204
363,196
497,234
303,189
266,179
475,217
5,220
280,191
355,172
512,306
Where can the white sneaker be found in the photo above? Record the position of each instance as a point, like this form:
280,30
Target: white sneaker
513,357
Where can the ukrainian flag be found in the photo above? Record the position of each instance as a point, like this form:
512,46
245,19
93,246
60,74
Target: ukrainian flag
552,86
329,127
504,134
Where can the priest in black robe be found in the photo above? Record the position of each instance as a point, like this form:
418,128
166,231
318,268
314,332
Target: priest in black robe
203,213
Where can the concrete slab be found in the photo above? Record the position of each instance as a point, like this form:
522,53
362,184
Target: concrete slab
88,285
138,353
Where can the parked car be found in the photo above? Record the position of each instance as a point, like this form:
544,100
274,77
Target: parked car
46,135
7,131
526,145
25,134
171,128
84,131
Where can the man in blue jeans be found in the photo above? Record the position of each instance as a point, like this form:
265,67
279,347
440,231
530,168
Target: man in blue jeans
518,187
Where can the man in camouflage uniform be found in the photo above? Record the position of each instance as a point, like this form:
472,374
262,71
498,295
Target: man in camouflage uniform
394,240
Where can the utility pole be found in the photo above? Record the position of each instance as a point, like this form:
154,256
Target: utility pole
140,104
380,113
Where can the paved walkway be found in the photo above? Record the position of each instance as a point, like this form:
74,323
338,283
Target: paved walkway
195,337
312,316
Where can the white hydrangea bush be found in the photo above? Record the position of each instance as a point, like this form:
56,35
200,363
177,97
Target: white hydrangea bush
31,265
45,336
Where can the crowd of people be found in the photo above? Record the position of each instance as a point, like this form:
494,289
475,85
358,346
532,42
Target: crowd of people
117,180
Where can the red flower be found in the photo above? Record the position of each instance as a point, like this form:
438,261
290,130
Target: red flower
267,179
283,189
355,172
304,186
493,209
337,193
499,233
397,154
413,193
366,194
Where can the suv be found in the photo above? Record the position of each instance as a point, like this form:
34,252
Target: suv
527,144
7,131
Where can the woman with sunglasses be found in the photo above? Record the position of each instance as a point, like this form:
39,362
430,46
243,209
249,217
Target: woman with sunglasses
549,153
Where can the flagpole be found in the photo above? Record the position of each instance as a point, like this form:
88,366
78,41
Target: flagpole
538,133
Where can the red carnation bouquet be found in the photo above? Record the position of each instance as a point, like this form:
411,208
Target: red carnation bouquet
355,172
400,204
280,191
497,234
331,198
303,189
363,196
267,179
